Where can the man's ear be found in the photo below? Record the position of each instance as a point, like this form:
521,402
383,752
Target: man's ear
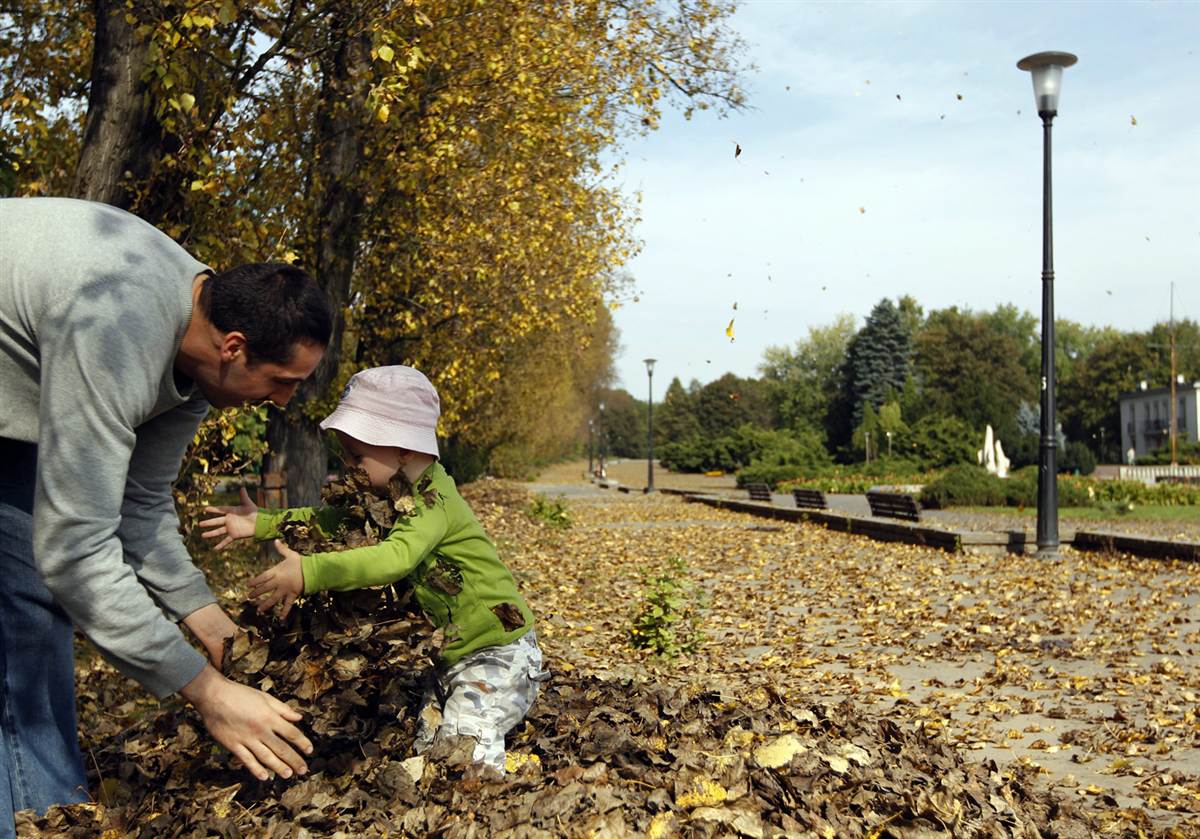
233,345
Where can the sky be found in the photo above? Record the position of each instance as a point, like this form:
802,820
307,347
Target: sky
894,148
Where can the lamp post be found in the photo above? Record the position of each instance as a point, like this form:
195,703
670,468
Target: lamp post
591,463
889,436
600,441
1047,68
867,445
650,424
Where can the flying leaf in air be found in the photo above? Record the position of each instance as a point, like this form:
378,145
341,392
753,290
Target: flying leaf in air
729,330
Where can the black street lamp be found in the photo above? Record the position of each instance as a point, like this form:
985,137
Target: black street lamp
600,440
1047,68
591,449
650,425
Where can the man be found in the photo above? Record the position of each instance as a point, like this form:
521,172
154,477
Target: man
113,344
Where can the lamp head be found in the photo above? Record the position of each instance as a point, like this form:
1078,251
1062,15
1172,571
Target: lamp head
650,362
1046,68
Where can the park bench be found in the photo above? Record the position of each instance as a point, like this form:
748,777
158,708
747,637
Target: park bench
894,505
809,499
759,492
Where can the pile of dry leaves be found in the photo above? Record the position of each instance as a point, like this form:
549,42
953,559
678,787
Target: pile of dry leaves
596,756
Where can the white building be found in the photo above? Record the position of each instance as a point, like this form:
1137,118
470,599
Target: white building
1146,417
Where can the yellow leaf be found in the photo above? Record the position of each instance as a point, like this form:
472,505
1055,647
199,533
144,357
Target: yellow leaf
704,793
386,53
729,330
384,112
837,763
660,826
778,752
186,101
515,760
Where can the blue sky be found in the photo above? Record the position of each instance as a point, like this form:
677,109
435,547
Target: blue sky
844,194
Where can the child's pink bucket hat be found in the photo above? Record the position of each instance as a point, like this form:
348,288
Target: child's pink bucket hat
389,406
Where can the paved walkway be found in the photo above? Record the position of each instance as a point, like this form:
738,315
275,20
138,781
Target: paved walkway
1083,667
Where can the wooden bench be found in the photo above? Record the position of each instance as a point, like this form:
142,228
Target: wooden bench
894,505
759,492
809,499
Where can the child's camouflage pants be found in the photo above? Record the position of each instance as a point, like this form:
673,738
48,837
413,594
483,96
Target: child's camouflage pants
486,694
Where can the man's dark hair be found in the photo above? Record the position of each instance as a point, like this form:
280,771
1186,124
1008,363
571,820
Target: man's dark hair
273,304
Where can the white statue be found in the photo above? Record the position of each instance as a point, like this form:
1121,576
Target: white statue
1002,462
991,456
987,455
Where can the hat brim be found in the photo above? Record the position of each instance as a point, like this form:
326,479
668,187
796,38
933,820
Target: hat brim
365,426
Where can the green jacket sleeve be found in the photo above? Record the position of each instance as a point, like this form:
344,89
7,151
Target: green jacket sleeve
410,540
266,526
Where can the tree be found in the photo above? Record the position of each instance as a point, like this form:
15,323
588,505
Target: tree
803,381
439,165
969,369
675,418
877,359
730,402
1089,395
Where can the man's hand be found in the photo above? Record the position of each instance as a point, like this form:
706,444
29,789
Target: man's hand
211,626
282,583
231,522
256,727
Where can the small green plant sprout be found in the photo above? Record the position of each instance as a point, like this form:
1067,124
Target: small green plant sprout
552,511
667,620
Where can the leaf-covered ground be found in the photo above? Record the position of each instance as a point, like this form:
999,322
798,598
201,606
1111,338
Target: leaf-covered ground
848,688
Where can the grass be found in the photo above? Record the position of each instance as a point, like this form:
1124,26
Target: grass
1148,512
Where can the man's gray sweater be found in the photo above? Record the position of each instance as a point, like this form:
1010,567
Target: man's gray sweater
94,303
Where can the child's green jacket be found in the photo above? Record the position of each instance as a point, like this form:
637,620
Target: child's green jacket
441,548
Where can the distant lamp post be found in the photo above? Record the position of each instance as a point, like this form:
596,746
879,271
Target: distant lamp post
1047,69
889,436
867,444
650,424
591,448
600,440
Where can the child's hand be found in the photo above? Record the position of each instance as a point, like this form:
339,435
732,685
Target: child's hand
281,584
231,522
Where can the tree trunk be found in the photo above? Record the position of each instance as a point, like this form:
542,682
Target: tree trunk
121,134
294,439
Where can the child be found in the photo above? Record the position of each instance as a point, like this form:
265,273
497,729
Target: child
491,667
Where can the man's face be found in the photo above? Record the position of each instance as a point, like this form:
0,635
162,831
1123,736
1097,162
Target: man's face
238,382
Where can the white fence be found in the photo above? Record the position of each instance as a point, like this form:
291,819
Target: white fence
1152,474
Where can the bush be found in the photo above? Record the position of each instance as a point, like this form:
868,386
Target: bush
1187,453
972,486
965,486
743,446
553,512
1078,459
785,457
938,440
667,621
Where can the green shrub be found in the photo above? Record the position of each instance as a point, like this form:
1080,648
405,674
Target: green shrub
743,446
667,620
552,511
939,440
765,473
1187,453
1077,458
972,486
965,485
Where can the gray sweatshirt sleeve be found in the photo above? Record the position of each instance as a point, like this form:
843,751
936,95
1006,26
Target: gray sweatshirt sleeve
149,529
96,386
